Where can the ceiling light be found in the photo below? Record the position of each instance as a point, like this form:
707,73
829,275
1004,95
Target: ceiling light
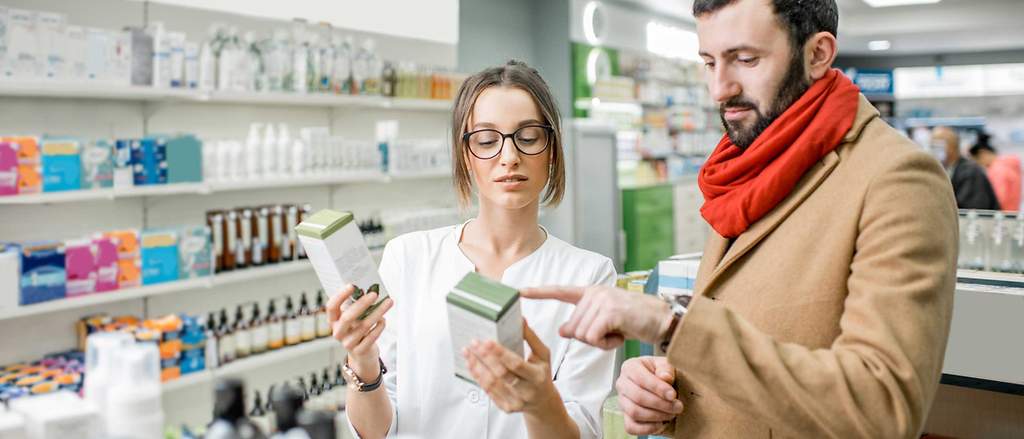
878,45
888,3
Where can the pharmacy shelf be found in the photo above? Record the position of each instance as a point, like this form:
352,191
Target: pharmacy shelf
990,278
60,90
251,363
105,194
273,183
213,187
255,362
435,173
247,275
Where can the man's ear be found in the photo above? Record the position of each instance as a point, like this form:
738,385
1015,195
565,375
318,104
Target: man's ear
820,52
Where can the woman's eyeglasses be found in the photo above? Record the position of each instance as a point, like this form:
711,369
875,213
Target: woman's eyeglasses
529,139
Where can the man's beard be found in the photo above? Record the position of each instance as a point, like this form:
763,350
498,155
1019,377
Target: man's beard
793,86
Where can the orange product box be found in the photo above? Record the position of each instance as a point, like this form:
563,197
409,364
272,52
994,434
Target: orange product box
30,179
44,387
129,274
170,349
170,373
129,263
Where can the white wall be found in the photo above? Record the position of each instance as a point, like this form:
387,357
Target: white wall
434,20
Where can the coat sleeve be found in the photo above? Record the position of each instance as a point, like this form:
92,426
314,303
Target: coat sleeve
878,378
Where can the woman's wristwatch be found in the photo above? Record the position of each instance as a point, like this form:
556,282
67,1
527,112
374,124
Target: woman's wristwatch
357,383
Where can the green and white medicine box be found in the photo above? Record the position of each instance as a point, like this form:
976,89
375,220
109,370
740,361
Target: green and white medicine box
336,249
482,309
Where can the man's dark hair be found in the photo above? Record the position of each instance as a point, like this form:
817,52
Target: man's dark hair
802,18
984,144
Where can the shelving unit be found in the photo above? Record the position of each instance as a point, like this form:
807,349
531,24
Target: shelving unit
179,286
98,110
251,363
214,187
209,282
58,90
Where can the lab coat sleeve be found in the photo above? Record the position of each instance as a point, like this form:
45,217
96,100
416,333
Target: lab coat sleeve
584,379
390,275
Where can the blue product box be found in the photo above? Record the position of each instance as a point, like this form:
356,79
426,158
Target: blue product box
167,363
62,165
193,336
123,152
184,159
192,361
149,161
42,272
159,256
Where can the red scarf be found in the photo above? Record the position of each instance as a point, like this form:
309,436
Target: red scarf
740,187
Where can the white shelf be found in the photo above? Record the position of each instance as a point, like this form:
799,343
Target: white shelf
187,380
212,187
60,90
436,173
267,358
251,363
50,89
240,276
270,183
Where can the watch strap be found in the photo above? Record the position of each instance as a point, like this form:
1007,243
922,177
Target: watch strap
356,382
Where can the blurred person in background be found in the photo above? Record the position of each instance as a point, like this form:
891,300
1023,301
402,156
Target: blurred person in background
1003,172
970,184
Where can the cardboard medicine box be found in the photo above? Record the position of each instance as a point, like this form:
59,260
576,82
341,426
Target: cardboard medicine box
339,255
482,309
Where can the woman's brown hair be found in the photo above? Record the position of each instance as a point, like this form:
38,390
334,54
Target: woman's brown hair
513,74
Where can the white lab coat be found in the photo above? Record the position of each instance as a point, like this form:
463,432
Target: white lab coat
418,270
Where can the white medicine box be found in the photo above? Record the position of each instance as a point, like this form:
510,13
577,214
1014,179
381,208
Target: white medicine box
482,309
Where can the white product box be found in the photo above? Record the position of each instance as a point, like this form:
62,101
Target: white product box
10,276
120,58
482,309
52,34
676,279
161,55
58,415
75,54
176,59
336,249
24,59
4,26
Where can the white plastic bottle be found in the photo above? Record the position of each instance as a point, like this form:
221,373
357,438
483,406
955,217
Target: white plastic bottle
191,65
253,166
284,143
134,405
208,62
298,158
269,152
300,58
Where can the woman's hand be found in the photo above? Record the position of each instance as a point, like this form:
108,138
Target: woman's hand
358,336
513,383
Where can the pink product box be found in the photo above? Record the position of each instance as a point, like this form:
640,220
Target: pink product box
8,169
81,268
105,255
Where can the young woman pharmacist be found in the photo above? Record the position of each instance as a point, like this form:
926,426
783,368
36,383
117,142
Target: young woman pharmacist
508,148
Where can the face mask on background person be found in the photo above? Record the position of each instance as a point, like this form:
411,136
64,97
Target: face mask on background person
938,150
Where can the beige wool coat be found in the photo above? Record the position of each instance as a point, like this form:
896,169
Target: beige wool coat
828,318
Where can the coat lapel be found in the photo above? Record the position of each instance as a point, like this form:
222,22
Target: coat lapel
745,242
719,256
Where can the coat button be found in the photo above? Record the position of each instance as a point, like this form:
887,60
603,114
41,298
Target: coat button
474,396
